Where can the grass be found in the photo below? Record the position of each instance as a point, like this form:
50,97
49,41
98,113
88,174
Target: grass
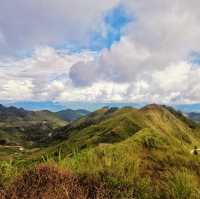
7,171
182,185
126,154
137,165
50,182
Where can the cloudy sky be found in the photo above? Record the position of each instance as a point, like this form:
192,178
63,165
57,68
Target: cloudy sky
100,51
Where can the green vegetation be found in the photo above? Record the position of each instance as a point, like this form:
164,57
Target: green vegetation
111,154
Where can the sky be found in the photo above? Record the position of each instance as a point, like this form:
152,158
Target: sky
91,51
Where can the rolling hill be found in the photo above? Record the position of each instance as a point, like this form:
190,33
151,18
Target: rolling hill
116,153
114,125
16,115
22,127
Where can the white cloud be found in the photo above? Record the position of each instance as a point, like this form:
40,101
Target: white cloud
173,77
17,90
100,92
118,64
25,25
156,49
150,63
46,67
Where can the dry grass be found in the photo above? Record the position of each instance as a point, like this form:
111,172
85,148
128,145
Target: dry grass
2,193
49,182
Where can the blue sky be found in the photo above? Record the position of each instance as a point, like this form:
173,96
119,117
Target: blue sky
115,20
113,51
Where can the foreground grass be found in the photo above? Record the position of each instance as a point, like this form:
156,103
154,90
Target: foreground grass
145,166
135,154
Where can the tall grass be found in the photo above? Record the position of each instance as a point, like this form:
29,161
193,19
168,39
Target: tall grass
182,185
127,170
8,171
118,169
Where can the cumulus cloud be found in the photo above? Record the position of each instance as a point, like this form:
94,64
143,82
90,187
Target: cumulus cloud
98,92
30,77
118,64
17,90
27,24
152,61
156,49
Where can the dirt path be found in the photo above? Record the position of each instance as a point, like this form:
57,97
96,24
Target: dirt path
21,148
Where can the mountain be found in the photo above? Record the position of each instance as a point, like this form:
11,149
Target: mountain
194,116
22,127
139,153
114,153
71,115
114,125
13,115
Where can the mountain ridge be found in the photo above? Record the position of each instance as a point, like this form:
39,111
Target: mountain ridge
110,126
143,153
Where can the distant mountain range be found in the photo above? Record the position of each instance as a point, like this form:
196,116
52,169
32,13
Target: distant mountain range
13,114
71,115
20,126
194,116
91,106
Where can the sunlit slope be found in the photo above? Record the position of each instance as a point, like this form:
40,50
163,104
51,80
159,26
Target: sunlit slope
115,125
131,153
154,162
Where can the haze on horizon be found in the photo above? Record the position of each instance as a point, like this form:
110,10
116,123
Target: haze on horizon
126,51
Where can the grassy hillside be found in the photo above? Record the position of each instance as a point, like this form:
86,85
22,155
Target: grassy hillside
115,125
113,153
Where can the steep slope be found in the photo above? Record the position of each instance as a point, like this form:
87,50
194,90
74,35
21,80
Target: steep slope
154,160
115,125
149,165
71,115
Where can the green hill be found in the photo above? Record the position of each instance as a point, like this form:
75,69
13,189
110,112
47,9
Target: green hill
19,116
71,115
110,126
122,153
26,128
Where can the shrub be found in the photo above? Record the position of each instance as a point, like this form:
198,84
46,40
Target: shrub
48,182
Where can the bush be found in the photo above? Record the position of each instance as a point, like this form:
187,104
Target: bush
48,182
